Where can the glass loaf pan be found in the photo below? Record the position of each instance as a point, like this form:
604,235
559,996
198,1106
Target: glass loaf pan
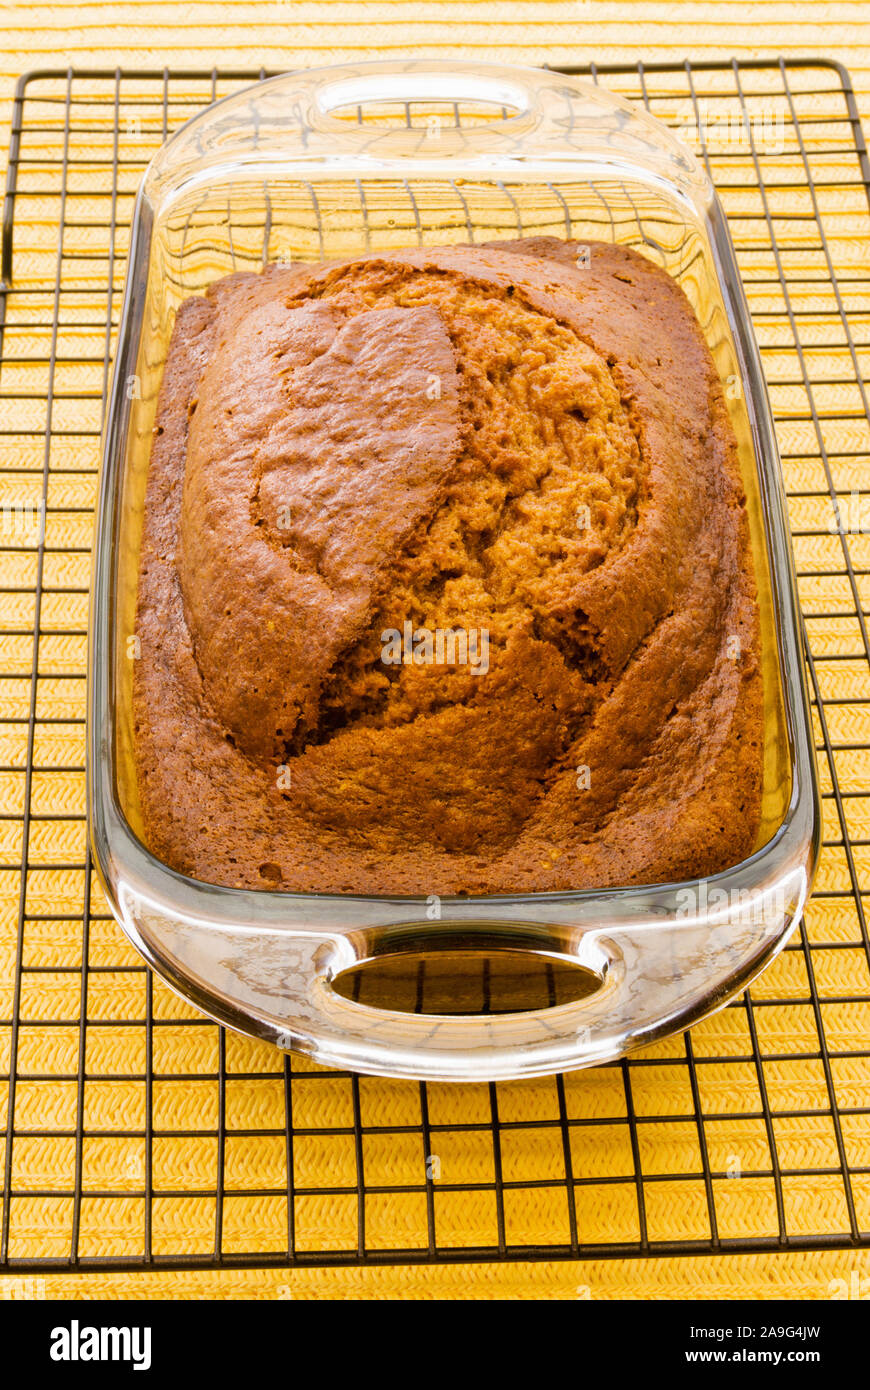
337,162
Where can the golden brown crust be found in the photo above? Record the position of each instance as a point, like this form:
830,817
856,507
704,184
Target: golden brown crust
466,440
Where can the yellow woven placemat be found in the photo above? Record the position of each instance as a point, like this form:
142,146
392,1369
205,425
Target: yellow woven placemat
98,1122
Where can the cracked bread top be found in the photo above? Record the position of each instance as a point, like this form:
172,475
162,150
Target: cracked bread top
490,440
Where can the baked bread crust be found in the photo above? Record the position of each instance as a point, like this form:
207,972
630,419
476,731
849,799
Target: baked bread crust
489,440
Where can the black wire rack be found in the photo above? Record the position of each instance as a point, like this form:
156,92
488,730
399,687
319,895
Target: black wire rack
276,1162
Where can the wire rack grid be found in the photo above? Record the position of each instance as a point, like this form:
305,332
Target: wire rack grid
136,1134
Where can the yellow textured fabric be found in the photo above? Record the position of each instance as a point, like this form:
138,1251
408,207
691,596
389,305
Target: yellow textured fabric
817,1275
801,1113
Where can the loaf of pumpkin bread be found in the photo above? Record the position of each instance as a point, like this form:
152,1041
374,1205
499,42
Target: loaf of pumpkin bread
446,584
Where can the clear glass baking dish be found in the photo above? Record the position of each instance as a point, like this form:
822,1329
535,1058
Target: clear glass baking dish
337,162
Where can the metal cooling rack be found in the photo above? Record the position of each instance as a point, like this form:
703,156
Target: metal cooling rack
799,214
